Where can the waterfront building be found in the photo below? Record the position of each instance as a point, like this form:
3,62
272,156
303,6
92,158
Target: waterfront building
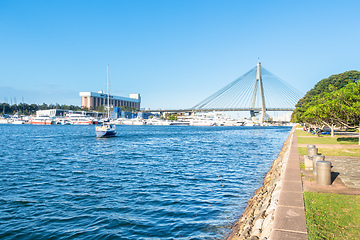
92,100
52,113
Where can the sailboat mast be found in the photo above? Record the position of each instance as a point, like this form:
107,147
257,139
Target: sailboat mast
108,94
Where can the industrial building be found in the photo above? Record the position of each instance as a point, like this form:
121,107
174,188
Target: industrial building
92,100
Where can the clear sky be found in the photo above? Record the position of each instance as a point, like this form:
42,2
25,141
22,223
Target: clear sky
174,53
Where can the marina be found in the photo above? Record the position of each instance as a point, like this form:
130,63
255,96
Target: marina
78,119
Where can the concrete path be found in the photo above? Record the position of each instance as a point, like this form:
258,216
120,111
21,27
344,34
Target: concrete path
290,222
348,169
345,176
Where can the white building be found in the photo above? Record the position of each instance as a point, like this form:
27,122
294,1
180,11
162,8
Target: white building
92,100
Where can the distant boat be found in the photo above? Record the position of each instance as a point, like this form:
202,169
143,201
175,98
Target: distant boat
44,120
64,122
106,129
80,119
16,120
202,122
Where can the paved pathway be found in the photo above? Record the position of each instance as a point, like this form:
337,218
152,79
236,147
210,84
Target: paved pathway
290,222
345,174
348,169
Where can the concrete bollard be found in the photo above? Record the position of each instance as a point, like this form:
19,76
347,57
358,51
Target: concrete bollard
315,159
323,169
311,152
311,146
308,163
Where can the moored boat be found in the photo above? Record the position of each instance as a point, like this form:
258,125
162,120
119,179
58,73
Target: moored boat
18,121
42,120
80,119
106,129
4,120
202,122
63,121
134,121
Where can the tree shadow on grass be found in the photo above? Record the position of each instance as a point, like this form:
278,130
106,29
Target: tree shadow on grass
348,140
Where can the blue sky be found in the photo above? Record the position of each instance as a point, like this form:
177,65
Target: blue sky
174,53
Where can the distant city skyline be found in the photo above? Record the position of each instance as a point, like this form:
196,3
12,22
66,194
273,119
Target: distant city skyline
173,53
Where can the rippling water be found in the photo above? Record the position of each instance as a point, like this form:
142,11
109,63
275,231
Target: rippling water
149,182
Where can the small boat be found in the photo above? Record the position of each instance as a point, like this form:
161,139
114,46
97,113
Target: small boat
18,122
106,129
16,119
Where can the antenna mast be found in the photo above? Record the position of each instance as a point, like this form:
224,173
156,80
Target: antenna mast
108,94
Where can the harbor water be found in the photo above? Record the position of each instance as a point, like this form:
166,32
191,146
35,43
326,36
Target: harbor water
148,182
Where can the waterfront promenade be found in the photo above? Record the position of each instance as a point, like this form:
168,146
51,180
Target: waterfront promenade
288,220
276,211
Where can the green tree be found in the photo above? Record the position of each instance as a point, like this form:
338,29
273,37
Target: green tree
321,112
339,107
326,85
129,109
172,117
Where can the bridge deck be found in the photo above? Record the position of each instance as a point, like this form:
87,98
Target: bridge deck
217,110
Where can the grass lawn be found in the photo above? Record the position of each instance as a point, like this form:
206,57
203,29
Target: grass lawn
332,216
328,140
306,138
301,133
350,152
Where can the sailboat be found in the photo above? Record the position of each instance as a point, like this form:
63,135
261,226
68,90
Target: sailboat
106,129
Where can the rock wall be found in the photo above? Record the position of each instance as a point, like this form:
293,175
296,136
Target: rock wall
257,220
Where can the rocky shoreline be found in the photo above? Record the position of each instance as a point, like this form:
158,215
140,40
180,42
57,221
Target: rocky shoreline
257,220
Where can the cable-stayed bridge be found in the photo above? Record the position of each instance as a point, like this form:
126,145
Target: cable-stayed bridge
257,91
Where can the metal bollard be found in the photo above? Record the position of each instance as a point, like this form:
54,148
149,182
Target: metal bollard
311,152
315,159
323,173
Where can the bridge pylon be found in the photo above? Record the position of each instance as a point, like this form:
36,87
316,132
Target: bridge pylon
258,83
243,94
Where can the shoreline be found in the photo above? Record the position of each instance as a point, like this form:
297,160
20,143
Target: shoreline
257,220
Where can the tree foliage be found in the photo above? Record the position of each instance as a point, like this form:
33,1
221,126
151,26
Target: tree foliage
325,86
340,107
129,109
30,109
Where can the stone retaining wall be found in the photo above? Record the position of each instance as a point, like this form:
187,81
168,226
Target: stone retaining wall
257,220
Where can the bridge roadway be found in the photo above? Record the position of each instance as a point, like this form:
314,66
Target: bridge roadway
217,110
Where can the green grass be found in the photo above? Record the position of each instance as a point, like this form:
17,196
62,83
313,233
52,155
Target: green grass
328,140
332,216
301,133
349,152
308,138
302,166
